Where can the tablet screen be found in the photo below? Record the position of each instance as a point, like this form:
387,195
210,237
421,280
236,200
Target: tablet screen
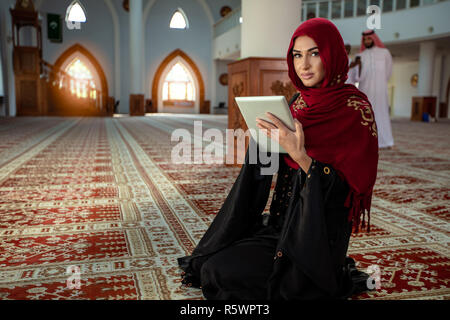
256,107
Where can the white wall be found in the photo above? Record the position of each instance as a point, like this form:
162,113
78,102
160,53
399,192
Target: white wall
445,76
403,90
222,91
227,44
267,27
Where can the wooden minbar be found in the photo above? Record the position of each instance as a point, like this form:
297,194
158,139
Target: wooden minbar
27,61
254,76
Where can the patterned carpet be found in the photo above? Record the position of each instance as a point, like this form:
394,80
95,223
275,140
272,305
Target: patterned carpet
102,195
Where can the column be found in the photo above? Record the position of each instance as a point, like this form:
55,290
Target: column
6,55
136,58
424,104
426,68
442,98
267,27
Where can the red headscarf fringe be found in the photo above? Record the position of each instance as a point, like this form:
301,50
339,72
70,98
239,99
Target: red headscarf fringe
359,206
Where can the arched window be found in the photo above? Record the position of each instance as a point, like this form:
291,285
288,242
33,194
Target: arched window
179,77
179,20
76,12
178,86
82,85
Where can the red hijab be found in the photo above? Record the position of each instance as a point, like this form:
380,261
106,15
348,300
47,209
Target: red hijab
376,40
337,119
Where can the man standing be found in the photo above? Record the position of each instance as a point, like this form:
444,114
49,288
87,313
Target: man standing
375,69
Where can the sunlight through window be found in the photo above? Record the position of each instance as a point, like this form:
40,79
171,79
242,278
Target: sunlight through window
76,13
83,85
178,85
178,21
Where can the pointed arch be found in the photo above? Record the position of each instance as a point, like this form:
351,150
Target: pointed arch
175,19
78,48
164,66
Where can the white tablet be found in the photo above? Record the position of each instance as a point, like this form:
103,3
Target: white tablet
256,107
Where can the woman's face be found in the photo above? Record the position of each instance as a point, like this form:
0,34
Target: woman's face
307,62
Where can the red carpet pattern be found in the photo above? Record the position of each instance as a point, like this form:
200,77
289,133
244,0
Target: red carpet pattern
102,195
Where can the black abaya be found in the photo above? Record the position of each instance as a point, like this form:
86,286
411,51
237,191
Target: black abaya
299,254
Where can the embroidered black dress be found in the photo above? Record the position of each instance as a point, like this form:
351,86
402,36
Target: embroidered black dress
298,252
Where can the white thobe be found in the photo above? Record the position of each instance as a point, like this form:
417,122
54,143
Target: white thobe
376,64
352,75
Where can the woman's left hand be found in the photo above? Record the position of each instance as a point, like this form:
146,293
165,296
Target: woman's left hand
292,141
